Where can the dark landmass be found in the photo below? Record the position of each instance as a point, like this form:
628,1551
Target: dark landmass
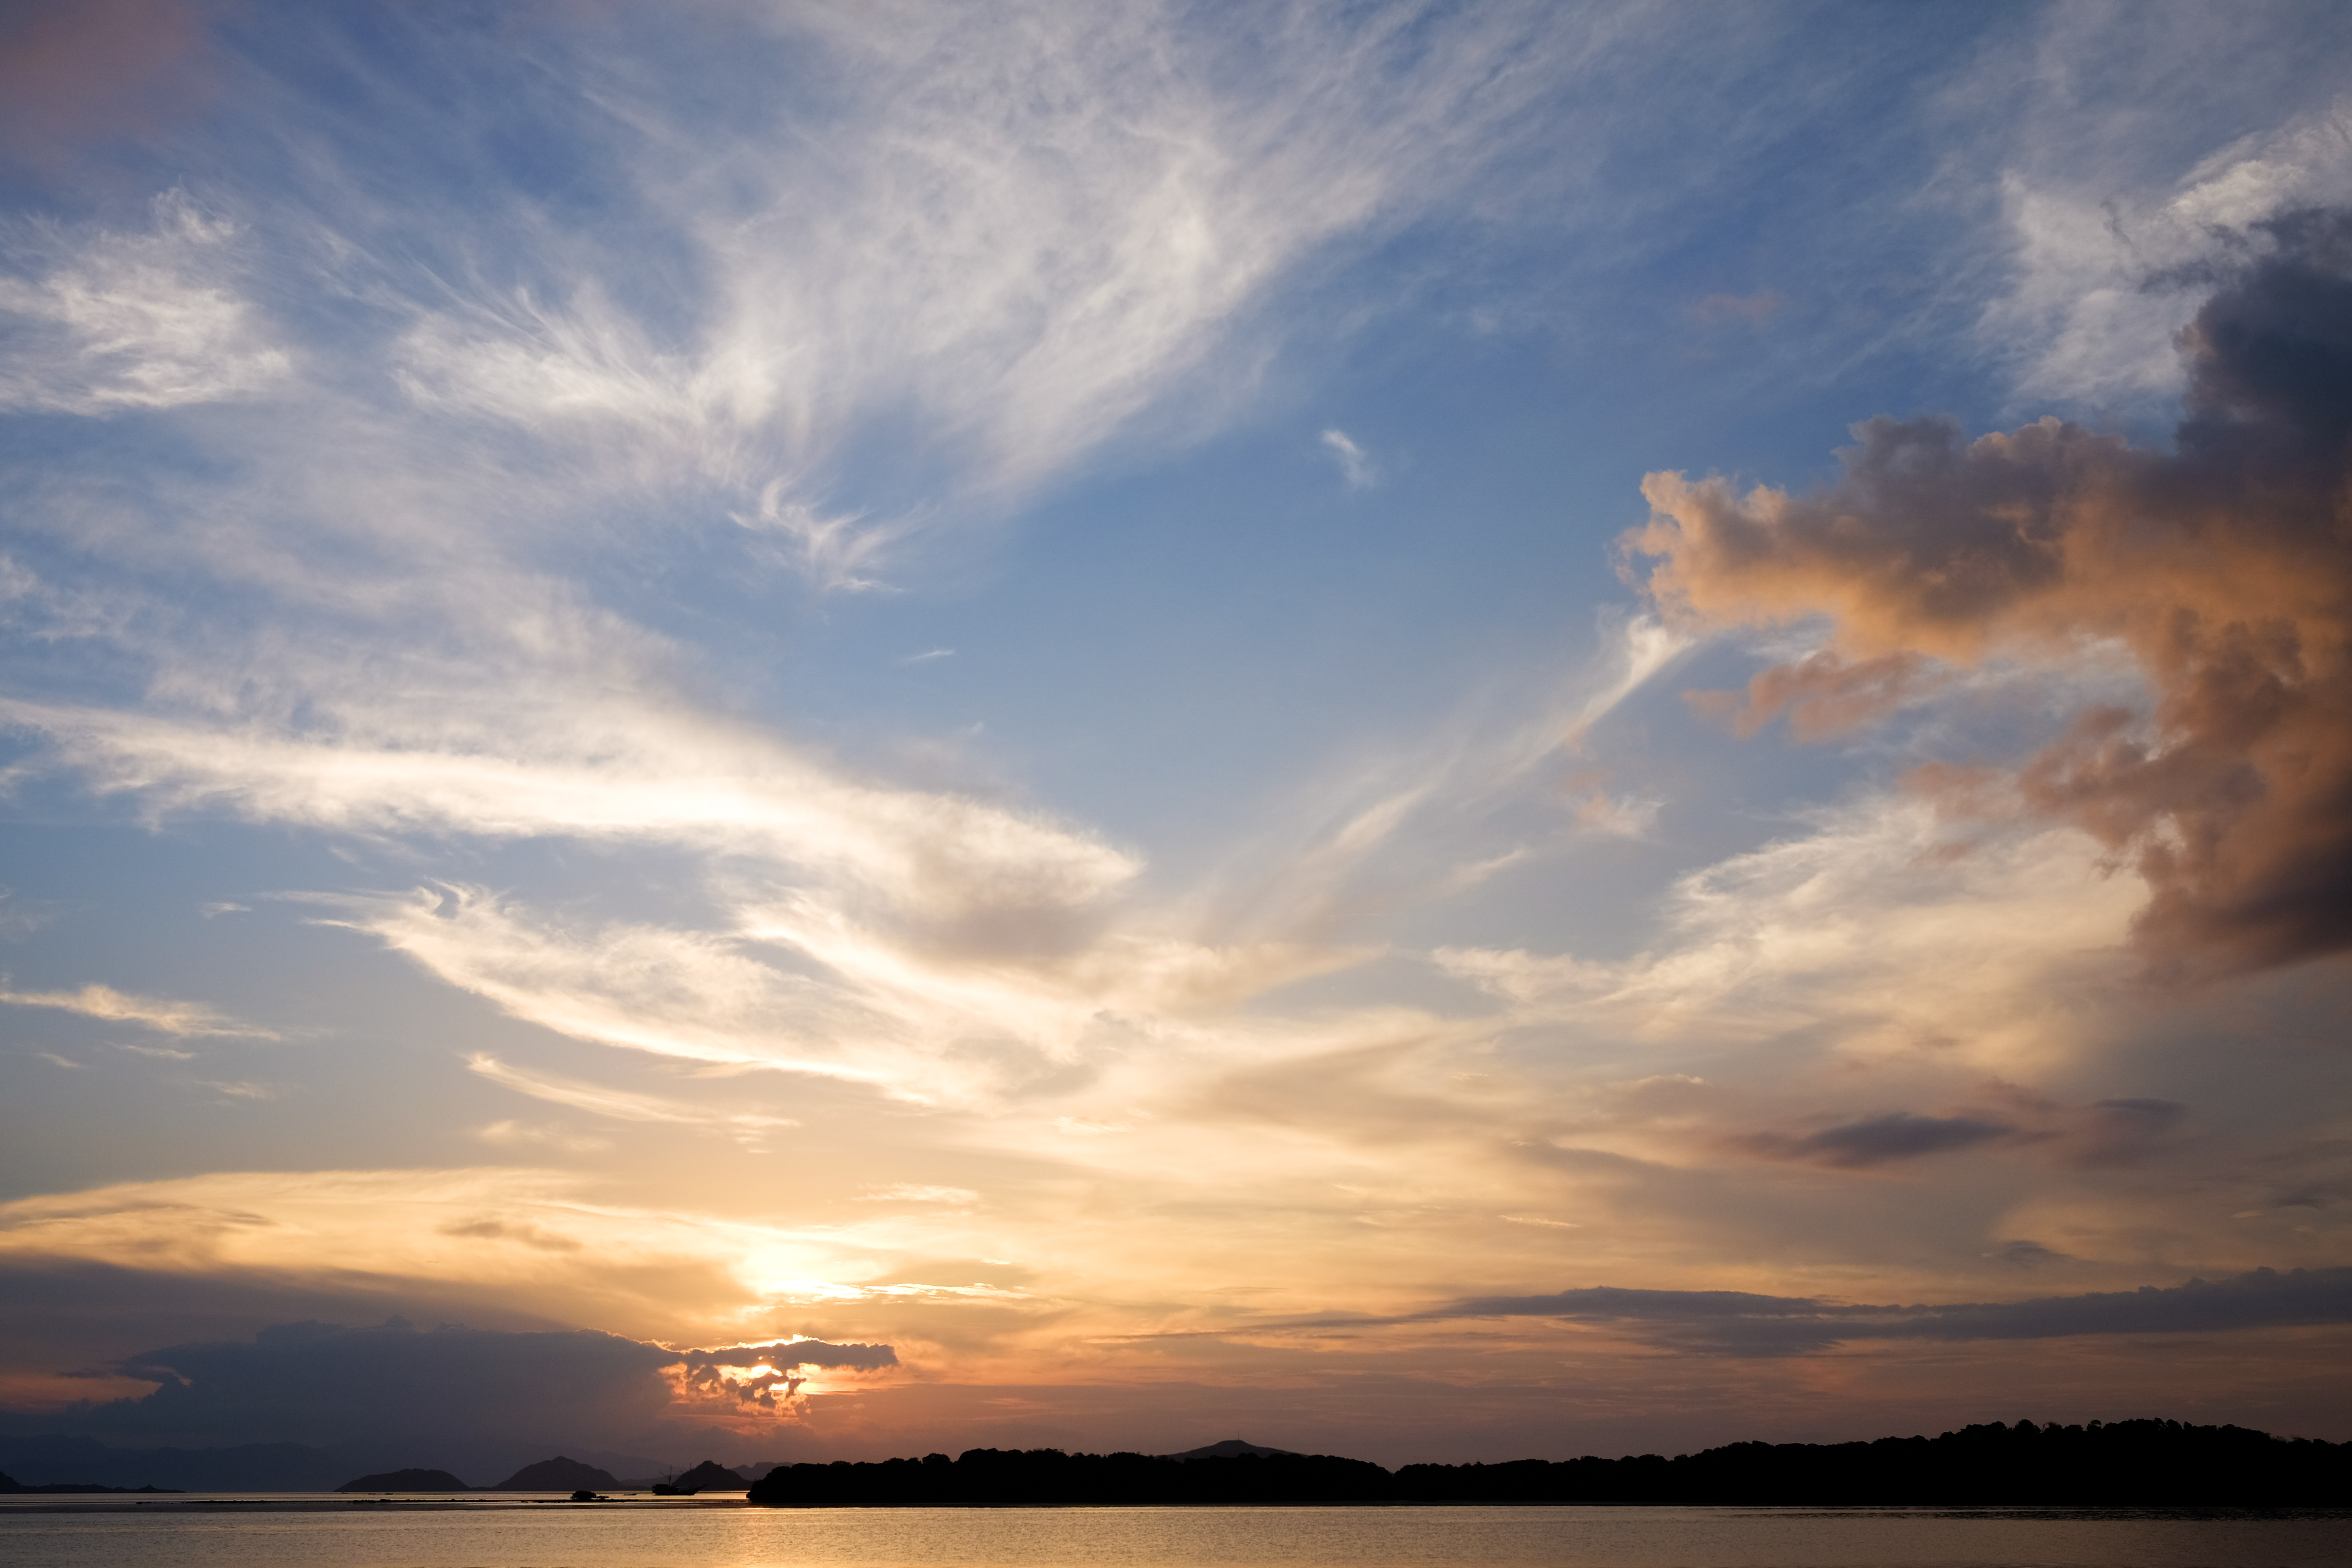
249,1466
986,1476
556,1475
273,1467
710,1475
1233,1449
10,1484
2139,1464
406,1482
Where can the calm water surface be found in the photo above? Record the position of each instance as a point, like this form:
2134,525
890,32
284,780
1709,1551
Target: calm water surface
736,1537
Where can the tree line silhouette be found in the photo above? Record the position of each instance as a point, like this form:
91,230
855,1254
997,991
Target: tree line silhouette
2145,1463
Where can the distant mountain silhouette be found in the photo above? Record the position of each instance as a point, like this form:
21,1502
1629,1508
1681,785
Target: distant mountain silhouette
249,1466
1233,1449
10,1484
2122,1462
272,1467
411,1481
556,1475
710,1475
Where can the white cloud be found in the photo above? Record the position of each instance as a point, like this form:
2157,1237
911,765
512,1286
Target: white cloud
184,1018
834,553
629,773
2089,317
514,1134
1001,243
1881,925
146,319
749,1127
1356,465
912,1193
244,1088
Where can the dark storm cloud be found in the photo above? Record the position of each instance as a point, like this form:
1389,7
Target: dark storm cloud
2102,1134
794,1352
2025,1254
1879,1140
1736,1323
2223,565
1608,1303
324,1383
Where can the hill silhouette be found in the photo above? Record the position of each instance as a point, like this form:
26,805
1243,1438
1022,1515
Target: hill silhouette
710,1475
1232,1448
406,1482
556,1475
2125,1463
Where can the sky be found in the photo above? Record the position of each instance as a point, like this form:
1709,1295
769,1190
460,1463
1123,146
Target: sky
785,730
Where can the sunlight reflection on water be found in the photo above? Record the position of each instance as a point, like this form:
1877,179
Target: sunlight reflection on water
1178,1538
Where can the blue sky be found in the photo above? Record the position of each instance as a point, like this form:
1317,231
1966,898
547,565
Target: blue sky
1029,684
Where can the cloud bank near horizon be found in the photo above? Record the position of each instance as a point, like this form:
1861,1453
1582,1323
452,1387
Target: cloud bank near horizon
333,1387
1735,1322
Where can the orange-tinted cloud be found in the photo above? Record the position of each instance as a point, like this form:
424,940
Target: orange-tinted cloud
2223,567
1821,694
77,70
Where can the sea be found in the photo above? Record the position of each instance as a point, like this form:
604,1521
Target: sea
225,1530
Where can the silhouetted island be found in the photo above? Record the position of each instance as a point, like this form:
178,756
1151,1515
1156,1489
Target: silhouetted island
556,1475
406,1482
2121,1463
709,1475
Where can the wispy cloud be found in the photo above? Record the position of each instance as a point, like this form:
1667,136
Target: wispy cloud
2104,280
1861,919
184,1018
623,1105
141,320
659,778
910,1193
1356,465
245,1089
515,1134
